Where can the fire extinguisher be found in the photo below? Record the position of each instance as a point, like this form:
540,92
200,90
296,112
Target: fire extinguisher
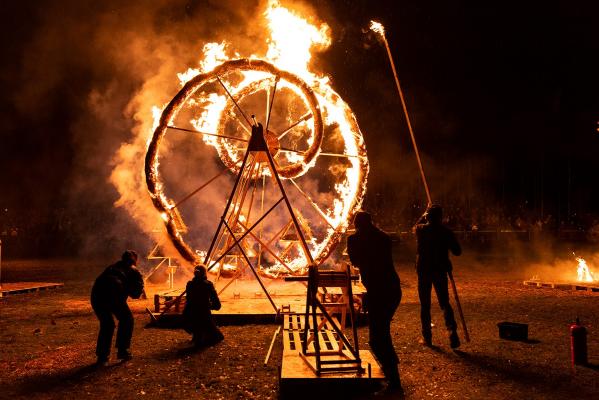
578,345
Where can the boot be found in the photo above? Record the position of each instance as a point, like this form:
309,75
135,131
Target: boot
454,340
102,362
124,355
392,375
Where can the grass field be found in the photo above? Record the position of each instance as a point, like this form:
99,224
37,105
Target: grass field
48,338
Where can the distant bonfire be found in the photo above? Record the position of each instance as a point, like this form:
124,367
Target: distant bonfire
584,272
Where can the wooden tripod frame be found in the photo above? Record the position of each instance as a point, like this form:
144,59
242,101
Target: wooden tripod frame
230,222
232,230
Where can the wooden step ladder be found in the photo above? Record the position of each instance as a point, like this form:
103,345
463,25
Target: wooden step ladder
319,325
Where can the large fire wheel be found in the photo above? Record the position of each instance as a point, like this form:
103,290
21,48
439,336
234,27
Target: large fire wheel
202,140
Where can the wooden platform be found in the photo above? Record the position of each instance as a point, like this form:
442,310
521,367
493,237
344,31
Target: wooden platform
245,302
579,286
10,288
295,372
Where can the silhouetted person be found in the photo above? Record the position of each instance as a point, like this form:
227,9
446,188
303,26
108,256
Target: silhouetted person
201,299
369,250
109,298
432,265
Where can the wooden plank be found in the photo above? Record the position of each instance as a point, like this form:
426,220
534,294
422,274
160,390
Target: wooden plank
286,321
11,288
288,333
563,286
326,335
272,343
297,325
318,333
308,325
332,340
294,369
288,340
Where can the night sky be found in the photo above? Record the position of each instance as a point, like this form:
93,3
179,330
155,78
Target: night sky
503,96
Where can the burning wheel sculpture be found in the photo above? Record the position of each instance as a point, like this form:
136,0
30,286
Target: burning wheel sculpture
314,146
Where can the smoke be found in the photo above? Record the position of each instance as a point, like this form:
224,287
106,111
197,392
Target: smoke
88,74
91,72
100,68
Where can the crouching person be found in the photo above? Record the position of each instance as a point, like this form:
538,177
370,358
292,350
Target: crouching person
109,298
197,315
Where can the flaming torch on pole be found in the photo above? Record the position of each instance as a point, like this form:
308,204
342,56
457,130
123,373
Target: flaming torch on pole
378,28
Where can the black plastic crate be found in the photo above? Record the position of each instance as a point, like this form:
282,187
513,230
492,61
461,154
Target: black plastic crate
513,331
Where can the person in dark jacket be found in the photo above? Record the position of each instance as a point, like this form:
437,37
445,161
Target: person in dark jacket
201,299
432,266
109,298
369,250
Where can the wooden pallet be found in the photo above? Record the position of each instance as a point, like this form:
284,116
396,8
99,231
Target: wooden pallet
169,301
296,372
293,325
12,288
562,286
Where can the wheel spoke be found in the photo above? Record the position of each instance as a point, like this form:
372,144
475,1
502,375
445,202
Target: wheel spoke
339,155
206,133
272,100
208,182
312,203
304,117
240,123
233,100
254,179
284,149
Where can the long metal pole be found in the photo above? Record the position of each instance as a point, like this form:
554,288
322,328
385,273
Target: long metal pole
405,110
457,300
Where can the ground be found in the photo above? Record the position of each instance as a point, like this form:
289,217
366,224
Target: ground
48,338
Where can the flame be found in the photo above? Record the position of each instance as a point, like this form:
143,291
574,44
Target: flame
584,272
292,39
214,55
377,27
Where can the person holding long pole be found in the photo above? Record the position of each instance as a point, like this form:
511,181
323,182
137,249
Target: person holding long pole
380,30
433,265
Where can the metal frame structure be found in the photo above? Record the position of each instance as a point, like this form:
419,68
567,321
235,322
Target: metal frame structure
233,230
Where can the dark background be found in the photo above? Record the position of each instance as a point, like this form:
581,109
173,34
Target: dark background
503,98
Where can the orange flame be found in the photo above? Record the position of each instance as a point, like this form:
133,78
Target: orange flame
377,27
584,272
